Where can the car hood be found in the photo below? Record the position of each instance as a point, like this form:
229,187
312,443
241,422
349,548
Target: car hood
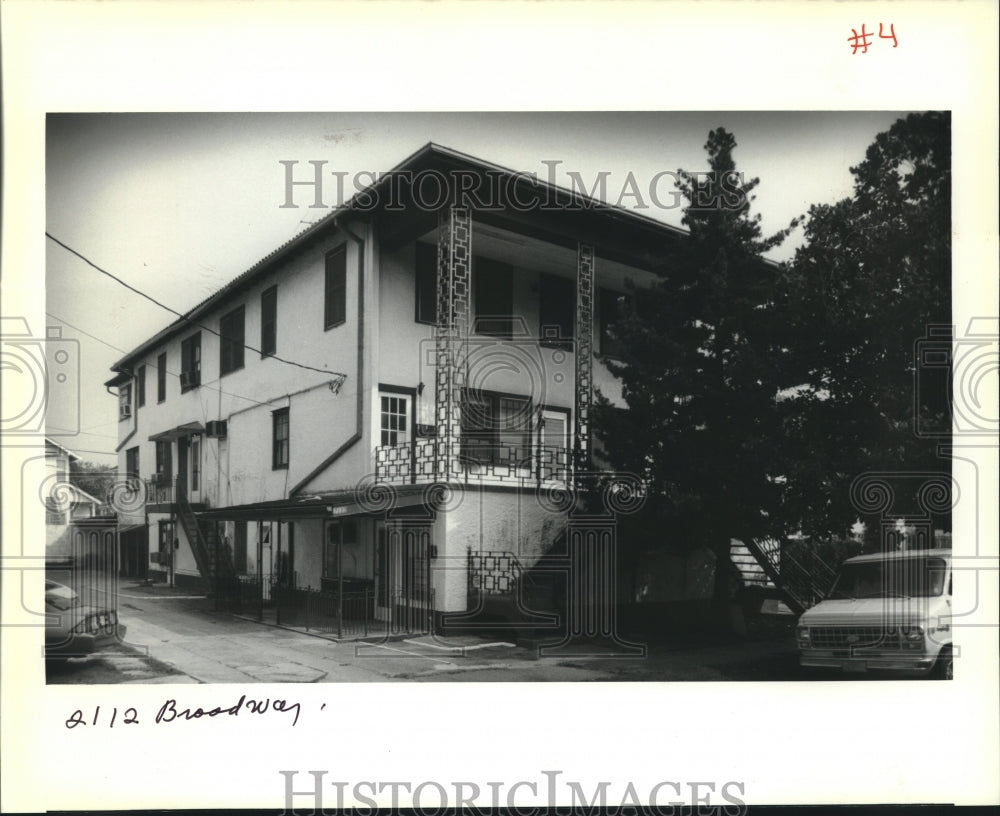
869,611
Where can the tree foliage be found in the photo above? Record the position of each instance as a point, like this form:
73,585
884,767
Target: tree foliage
873,275
757,393
92,478
701,369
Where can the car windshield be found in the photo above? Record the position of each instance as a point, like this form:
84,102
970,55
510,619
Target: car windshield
896,578
59,596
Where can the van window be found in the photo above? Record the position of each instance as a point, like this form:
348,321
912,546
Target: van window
896,578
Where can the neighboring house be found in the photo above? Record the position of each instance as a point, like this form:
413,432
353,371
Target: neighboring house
65,503
292,427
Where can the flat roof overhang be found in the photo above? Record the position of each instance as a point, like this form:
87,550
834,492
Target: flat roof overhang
320,506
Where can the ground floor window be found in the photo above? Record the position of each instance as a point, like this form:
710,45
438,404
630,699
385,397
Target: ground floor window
339,549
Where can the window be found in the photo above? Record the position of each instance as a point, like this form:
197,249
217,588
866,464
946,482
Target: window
140,386
494,297
231,340
340,548
393,414
279,439
612,307
195,462
556,311
335,291
125,401
191,362
426,279
132,463
269,322
496,429
161,377
164,461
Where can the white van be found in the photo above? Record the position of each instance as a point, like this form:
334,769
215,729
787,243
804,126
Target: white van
887,612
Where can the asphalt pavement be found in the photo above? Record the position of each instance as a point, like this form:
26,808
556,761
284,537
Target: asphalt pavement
176,636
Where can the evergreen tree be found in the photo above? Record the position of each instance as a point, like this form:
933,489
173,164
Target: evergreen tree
701,370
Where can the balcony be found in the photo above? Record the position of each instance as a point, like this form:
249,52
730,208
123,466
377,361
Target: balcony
478,460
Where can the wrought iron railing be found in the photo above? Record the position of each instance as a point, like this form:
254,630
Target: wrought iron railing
354,613
477,460
160,490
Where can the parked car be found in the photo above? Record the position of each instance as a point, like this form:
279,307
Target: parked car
73,629
886,612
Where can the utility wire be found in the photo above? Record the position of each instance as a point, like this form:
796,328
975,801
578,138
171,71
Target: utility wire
168,371
150,298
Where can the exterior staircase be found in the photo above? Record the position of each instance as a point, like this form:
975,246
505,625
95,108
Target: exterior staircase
800,577
214,559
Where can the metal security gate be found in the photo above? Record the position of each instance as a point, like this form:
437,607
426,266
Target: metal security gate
404,595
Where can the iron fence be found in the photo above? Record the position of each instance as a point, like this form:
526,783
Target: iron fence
326,610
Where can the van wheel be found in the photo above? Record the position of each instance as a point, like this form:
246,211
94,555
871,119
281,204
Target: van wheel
944,667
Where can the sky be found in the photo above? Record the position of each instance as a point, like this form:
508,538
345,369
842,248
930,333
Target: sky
179,204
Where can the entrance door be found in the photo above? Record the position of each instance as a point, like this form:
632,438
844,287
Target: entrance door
403,594
182,466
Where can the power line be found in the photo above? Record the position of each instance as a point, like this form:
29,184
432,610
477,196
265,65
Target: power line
167,371
150,298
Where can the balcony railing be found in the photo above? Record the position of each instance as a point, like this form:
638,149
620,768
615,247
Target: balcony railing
476,460
160,490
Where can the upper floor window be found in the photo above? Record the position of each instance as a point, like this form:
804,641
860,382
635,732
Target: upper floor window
393,418
231,341
164,461
335,289
269,321
556,310
132,463
611,308
125,401
279,438
140,386
426,282
191,362
493,283
161,377
496,429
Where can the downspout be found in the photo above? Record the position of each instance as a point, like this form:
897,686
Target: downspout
359,242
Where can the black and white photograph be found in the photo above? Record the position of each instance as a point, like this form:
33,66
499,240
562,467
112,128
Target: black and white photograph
485,431
566,413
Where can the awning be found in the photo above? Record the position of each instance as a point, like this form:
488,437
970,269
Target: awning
319,506
186,429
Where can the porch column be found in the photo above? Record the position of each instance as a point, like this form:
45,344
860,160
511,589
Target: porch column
584,347
451,335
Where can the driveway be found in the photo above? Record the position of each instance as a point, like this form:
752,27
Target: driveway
174,636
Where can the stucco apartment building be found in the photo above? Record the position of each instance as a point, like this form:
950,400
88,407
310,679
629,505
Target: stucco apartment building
395,402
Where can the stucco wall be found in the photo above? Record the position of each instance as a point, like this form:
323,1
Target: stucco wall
489,520
320,420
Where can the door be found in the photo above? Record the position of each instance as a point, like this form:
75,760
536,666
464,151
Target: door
182,467
553,448
403,593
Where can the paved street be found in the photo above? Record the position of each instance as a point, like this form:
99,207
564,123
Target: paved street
174,637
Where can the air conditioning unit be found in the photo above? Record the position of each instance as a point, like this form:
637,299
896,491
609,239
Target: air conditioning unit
124,412
154,558
189,379
216,429
426,430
